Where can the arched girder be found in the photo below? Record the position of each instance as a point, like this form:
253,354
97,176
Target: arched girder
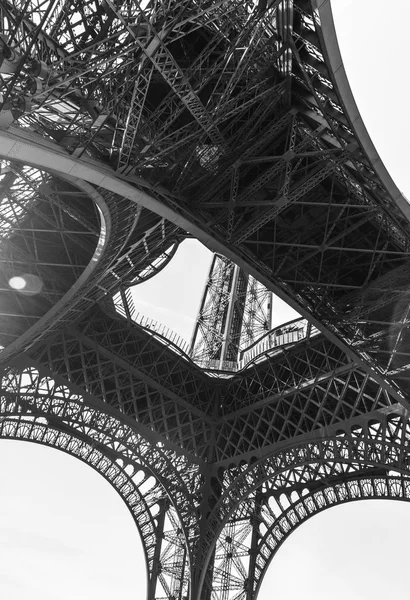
117,361
112,235
128,245
29,389
53,232
376,443
250,540
26,150
372,441
142,494
390,487
24,427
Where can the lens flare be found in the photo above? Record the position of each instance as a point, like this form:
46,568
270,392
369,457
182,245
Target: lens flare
17,283
26,283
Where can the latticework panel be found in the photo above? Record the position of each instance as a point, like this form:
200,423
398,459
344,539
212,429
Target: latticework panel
35,408
298,390
235,312
128,369
230,120
231,117
363,459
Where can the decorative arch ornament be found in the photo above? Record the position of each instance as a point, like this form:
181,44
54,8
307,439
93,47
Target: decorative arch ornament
375,440
210,191
368,458
306,506
35,407
249,541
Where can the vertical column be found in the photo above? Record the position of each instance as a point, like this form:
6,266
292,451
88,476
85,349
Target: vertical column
169,579
253,549
235,312
156,569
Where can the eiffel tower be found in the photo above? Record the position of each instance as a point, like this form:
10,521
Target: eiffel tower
126,127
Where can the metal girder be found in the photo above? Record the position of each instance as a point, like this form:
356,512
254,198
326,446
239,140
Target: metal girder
29,388
45,243
235,312
230,120
50,224
130,370
211,491
245,551
364,459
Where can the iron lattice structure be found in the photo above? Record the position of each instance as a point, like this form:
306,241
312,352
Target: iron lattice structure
235,313
125,125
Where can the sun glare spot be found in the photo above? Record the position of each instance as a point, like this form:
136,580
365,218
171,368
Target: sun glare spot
17,283
28,284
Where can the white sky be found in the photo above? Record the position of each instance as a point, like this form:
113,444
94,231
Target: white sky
64,532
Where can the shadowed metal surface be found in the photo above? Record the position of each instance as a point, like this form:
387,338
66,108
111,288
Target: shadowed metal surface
125,127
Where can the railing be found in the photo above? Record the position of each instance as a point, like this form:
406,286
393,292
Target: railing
282,335
159,330
217,366
124,305
273,341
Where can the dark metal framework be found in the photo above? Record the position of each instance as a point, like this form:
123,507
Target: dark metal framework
235,313
126,126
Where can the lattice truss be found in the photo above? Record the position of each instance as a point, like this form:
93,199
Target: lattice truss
62,235
36,407
235,312
305,389
256,505
49,230
301,482
228,115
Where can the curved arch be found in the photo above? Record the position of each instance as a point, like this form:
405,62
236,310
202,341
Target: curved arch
331,51
113,235
372,441
144,496
40,208
32,395
308,505
250,539
37,151
109,265
22,429
363,447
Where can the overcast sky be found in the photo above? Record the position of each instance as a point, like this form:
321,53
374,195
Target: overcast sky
64,532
